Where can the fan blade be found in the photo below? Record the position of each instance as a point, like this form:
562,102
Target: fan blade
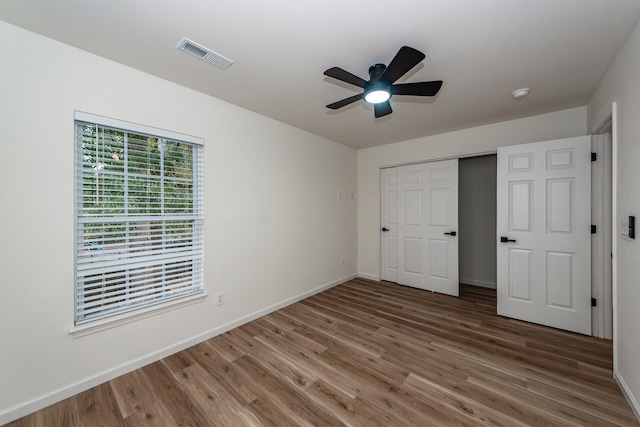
382,109
345,76
417,89
346,101
406,58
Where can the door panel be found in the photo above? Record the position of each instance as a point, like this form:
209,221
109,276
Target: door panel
439,204
392,256
392,207
544,204
559,273
412,207
560,199
520,205
439,258
412,256
520,280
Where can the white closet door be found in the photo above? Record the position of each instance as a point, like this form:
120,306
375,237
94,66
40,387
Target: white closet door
544,233
442,227
389,219
424,226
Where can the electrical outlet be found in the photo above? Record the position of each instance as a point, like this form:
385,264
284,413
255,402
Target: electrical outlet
220,298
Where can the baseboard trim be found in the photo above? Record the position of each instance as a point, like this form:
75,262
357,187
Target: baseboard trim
369,277
479,283
23,409
626,392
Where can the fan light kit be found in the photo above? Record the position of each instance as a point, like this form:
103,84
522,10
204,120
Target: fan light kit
377,96
520,93
380,87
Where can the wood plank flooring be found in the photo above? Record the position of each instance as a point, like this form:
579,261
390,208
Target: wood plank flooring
367,354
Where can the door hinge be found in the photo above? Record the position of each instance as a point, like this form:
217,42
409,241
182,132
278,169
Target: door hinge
594,302
594,229
594,157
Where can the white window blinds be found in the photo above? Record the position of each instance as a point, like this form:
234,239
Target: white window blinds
139,217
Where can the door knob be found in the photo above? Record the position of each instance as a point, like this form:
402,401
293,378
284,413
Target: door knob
451,233
505,239
385,229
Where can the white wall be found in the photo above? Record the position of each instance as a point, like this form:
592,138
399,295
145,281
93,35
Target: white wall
483,139
622,85
274,227
477,221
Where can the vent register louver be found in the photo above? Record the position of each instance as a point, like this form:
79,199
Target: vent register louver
205,54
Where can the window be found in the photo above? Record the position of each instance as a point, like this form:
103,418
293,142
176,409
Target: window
139,217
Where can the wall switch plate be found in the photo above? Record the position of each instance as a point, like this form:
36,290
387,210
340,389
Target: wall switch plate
220,298
624,229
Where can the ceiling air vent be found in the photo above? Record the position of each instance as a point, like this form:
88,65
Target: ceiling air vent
205,54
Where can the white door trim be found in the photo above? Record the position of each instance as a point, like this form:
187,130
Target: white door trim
601,241
614,228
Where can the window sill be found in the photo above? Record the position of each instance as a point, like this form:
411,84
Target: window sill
143,313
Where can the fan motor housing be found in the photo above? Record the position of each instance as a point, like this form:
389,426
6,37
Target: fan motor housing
375,71
375,84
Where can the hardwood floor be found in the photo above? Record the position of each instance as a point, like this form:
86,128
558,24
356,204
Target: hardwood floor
367,354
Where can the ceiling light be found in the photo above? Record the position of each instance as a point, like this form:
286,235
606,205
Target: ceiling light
377,92
520,93
377,96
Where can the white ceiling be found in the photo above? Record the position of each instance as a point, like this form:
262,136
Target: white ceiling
482,49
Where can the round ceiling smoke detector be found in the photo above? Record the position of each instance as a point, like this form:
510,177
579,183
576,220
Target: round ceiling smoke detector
520,93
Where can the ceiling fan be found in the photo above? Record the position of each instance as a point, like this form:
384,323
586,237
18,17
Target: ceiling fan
381,87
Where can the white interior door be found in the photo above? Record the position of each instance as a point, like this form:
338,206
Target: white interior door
544,233
421,234
389,221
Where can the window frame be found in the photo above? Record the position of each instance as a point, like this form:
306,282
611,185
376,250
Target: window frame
114,316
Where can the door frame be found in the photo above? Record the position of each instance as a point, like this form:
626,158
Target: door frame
612,119
602,243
